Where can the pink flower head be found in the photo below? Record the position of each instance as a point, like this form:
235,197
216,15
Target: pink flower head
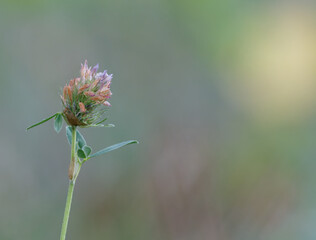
84,96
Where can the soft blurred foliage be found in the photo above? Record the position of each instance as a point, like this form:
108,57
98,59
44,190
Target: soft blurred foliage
221,95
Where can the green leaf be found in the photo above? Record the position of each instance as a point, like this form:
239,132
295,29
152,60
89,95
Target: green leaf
43,121
80,139
109,125
87,150
69,134
58,124
113,147
80,144
101,125
81,153
101,121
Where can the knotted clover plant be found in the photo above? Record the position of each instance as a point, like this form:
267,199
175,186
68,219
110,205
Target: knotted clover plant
85,101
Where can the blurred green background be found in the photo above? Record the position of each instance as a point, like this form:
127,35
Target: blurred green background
221,95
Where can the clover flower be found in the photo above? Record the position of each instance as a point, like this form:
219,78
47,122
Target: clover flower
85,98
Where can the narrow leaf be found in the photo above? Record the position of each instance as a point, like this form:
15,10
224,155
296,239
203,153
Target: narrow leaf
103,120
80,139
109,125
81,153
113,147
87,150
69,134
41,122
58,122
101,125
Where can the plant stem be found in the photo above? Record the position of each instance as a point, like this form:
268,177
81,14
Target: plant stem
72,181
67,210
71,169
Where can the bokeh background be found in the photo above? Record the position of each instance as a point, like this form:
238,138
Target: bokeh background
221,95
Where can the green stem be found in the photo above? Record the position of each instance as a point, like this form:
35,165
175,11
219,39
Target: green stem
67,210
72,177
71,169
